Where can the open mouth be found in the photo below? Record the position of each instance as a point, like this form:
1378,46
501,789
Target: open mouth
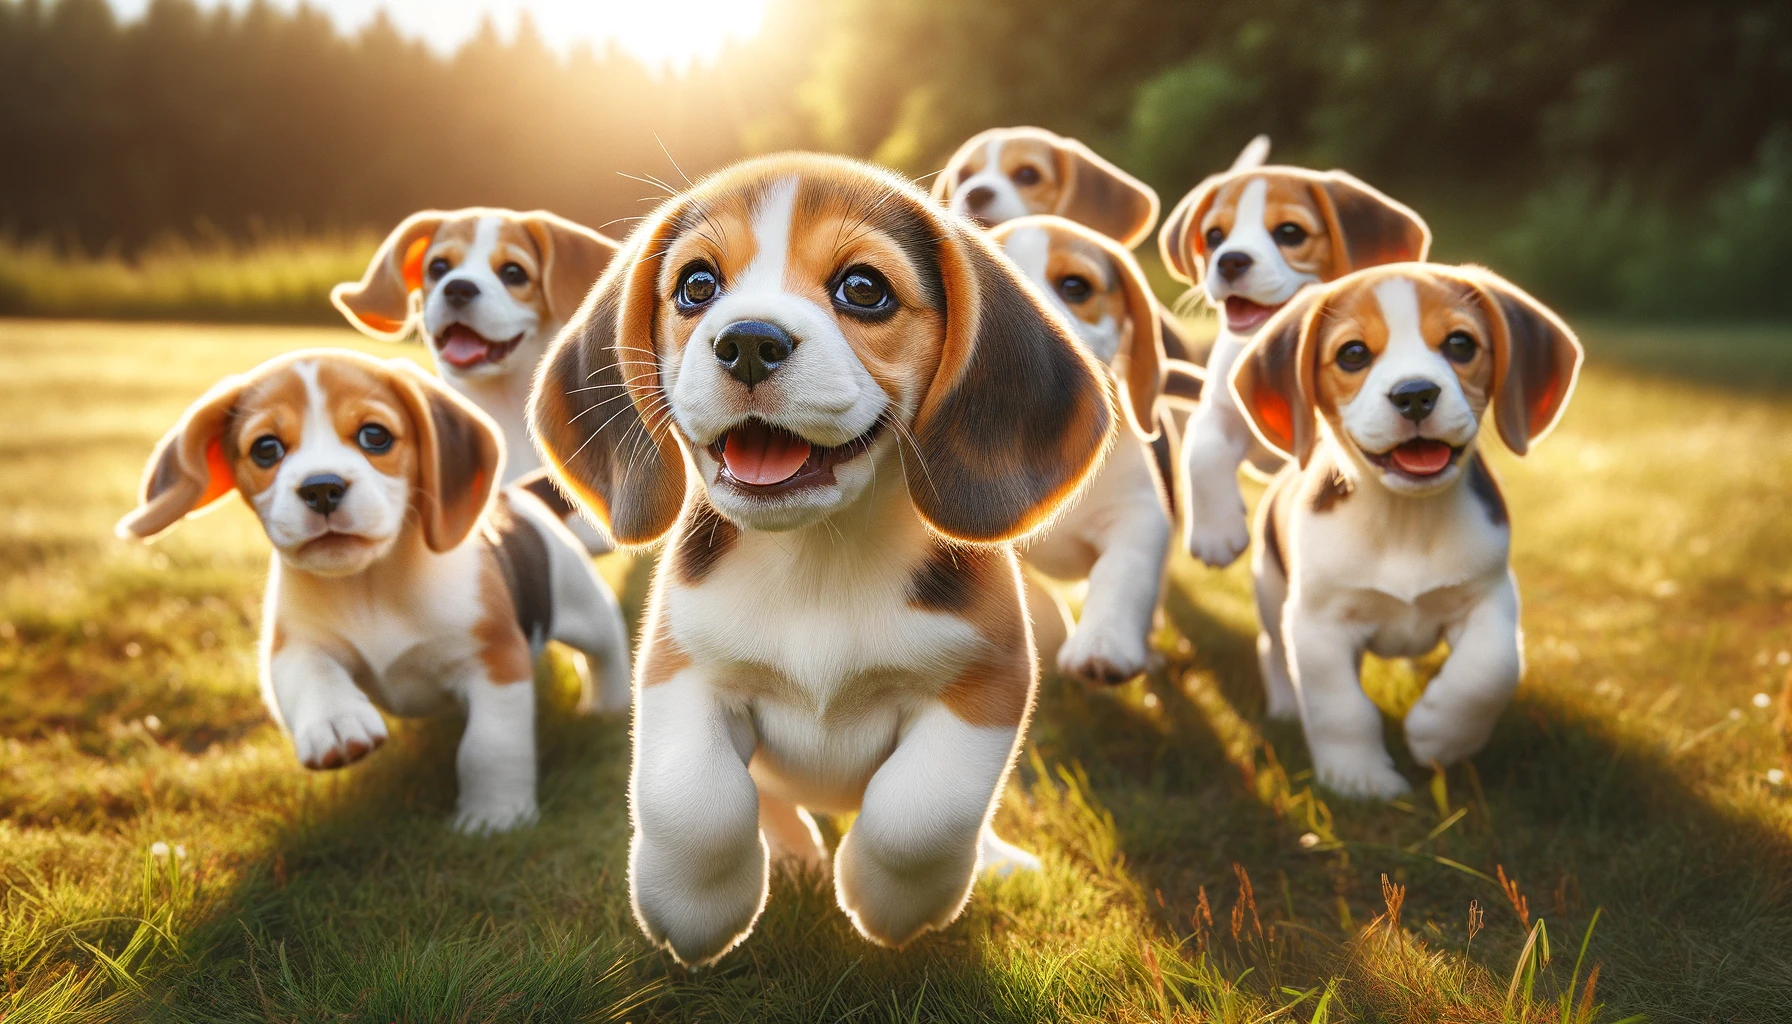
462,347
1243,315
1419,458
759,458
336,543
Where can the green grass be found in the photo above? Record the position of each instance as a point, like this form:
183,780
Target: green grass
1191,870
274,280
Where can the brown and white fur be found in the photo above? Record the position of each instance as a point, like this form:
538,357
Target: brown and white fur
397,584
1252,237
1118,535
488,289
848,633
1388,532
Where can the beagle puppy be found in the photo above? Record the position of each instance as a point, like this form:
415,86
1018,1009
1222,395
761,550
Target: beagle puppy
1252,237
1118,536
397,584
1387,533
489,289
842,403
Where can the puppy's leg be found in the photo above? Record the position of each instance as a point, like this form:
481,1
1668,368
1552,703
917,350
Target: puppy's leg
1282,704
1342,725
697,864
907,864
1456,715
1218,438
1111,642
332,723
496,761
1051,620
791,835
587,618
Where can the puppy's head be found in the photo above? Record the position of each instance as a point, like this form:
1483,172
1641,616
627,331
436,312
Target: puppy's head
1253,236
1006,173
808,328
1400,362
1100,287
492,286
337,452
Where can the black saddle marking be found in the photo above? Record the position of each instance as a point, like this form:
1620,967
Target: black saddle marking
522,554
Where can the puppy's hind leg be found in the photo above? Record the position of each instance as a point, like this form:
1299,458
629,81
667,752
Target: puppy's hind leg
1282,704
588,619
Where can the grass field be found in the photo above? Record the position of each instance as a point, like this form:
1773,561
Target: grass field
163,856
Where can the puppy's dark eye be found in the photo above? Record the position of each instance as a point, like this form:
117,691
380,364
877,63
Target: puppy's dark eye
1215,238
1354,356
374,439
513,275
1459,347
438,267
1289,234
266,450
1026,175
863,290
1075,289
696,287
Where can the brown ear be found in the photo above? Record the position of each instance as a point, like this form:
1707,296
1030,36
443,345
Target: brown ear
1183,255
1536,360
380,303
1017,415
585,410
1100,195
460,456
189,471
573,257
1143,374
1274,380
1367,226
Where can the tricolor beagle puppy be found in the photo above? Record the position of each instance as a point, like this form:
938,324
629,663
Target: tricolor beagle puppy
1252,237
397,582
1388,533
841,402
1118,536
490,288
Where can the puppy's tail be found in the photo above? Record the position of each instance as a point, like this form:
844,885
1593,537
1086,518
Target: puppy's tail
1254,154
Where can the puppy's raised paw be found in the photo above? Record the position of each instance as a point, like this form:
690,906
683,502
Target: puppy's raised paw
1098,655
1217,538
340,738
1362,778
1434,735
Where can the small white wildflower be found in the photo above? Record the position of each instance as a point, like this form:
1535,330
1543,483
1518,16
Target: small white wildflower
1762,700
133,649
1308,840
158,849
1151,700
180,852
1783,658
1735,714
152,723
1776,776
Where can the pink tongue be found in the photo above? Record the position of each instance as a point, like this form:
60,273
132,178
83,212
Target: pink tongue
757,454
460,346
1422,458
1245,315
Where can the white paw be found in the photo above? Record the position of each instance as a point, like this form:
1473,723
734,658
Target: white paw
1102,655
487,816
1362,778
1283,705
1003,859
1217,538
1445,738
340,736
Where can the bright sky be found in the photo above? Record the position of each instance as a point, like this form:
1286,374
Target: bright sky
657,31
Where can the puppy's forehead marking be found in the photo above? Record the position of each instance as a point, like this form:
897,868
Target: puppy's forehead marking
1030,249
1251,203
1399,302
992,153
771,231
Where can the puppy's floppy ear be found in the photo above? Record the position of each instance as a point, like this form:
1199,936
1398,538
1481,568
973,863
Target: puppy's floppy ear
460,456
1536,360
1143,374
189,470
573,257
380,303
1183,254
586,409
1017,415
1102,196
1275,378
1367,226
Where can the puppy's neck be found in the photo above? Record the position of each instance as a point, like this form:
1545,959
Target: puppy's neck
882,522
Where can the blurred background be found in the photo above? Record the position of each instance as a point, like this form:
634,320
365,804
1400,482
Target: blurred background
230,160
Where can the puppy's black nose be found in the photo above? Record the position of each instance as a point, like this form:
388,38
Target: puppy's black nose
322,492
1415,398
1232,265
980,197
751,349
460,291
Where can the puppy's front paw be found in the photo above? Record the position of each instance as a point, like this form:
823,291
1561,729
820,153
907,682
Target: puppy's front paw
1433,734
1283,705
341,737
1100,654
1362,778
1217,538
481,817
